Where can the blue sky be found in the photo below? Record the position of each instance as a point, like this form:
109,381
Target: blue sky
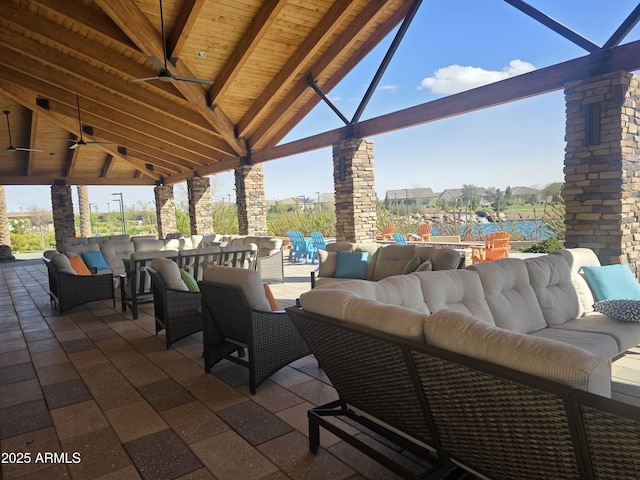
450,47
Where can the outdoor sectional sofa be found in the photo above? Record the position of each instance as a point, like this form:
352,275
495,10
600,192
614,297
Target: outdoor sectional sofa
380,261
116,247
502,367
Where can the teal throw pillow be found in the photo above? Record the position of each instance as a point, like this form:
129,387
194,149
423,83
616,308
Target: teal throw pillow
95,260
189,281
411,265
351,265
127,266
611,282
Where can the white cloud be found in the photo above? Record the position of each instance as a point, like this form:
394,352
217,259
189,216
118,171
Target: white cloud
391,88
458,78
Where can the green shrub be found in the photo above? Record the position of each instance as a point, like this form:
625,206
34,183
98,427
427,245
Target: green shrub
545,246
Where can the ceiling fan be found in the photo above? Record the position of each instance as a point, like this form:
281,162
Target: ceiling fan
164,75
80,142
11,148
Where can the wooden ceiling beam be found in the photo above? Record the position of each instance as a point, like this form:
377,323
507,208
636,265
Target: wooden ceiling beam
113,117
80,180
184,25
296,63
262,136
72,162
108,165
128,16
28,98
137,101
544,80
80,13
260,25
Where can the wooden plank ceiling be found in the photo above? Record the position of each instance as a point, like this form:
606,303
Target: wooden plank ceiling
56,56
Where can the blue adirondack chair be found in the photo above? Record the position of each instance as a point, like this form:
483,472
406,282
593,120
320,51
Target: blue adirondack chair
301,247
319,242
399,238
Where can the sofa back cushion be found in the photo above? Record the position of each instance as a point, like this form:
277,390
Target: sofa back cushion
170,273
62,264
510,296
457,290
114,252
441,258
393,305
550,278
392,259
543,357
248,281
150,245
577,258
328,258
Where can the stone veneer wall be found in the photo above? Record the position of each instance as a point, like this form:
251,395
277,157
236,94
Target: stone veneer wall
602,180
200,206
353,176
250,200
62,208
85,210
165,210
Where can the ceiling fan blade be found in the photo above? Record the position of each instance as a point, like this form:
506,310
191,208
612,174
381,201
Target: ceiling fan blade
193,80
156,63
11,148
19,149
146,79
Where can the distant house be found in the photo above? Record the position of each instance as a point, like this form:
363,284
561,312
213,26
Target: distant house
451,195
526,194
410,196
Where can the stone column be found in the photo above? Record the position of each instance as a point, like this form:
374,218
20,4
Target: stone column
165,210
62,208
353,176
200,206
85,210
250,200
602,167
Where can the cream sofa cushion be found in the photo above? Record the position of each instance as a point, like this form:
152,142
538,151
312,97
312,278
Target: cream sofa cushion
73,250
457,290
170,273
381,307
510,297
577,258
150,245
248,280
598,344
328,258
62,264
391,260
114,251
543,357
441,258
626,335
550,278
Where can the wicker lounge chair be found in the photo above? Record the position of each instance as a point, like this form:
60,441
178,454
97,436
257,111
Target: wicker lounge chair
68,290
178,313
236,315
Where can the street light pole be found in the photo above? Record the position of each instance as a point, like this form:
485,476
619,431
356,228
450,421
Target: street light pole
122,219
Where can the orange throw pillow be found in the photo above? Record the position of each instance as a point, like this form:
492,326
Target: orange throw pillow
79,266
272,301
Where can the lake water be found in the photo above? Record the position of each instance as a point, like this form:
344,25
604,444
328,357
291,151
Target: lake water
519,230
